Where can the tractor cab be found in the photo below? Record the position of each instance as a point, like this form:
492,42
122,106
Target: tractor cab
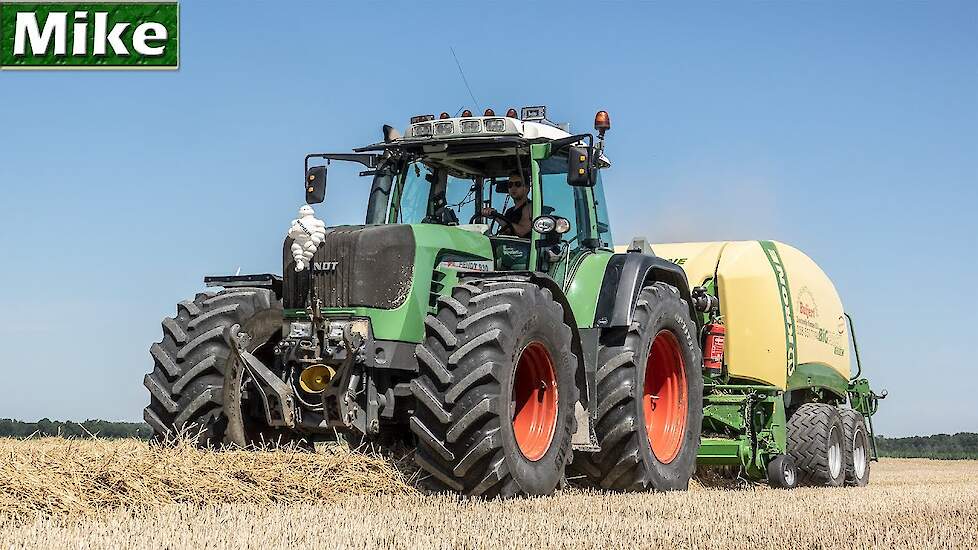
458,172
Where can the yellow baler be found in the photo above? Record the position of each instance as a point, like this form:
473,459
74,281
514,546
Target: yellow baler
786,344
779,308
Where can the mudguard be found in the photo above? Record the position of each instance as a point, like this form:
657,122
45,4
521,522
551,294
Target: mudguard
624,277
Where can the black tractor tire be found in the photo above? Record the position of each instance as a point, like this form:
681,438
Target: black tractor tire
816,442
490,340
782,472
627,460
857,447
187,383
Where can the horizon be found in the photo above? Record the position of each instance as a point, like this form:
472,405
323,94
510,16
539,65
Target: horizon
141,423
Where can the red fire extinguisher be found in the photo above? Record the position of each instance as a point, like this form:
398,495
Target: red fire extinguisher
713,349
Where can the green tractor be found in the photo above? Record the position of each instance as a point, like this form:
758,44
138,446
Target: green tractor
494,329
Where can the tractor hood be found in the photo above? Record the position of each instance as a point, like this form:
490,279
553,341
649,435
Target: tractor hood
381,271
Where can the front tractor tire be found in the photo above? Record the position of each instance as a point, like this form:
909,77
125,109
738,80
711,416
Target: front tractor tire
187,385
650,400
495,395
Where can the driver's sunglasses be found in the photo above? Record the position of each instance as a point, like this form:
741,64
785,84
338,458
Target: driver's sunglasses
515,184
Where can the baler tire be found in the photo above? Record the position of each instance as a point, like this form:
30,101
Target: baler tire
187,383
854,427
816,440
487,340
627,460
782,472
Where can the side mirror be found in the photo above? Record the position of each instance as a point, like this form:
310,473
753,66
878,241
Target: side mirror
316,185
579,169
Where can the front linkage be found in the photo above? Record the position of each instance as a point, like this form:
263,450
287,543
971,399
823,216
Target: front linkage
318,379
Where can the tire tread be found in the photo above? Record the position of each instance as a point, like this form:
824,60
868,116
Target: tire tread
186,384
619,464
458,389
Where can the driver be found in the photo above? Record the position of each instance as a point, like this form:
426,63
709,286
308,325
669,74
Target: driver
516,219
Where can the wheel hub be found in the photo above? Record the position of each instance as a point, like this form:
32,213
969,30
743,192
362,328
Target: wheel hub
858,454
534,401
789,473
835,454
664,400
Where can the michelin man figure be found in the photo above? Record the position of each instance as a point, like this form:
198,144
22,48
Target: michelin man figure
307,234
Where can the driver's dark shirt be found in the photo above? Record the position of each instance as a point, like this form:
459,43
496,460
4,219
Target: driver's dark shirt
514,214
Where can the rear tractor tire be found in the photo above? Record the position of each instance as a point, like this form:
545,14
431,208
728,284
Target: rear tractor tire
816,442
187,385
856,447
650,400
495,395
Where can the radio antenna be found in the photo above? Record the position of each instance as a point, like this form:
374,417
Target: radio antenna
465,80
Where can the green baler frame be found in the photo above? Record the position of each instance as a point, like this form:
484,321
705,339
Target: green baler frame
755,415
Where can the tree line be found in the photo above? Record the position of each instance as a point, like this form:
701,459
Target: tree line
962,445
55,428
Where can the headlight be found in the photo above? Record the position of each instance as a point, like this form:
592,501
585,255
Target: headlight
495,125
444,128
300,329
563,226
551,224
544,224
421,130
471,126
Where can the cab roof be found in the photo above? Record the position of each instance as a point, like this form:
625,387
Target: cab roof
438,135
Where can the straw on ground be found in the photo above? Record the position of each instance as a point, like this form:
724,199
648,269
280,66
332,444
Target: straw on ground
96,494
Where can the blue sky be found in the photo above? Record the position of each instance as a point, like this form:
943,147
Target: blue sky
849,130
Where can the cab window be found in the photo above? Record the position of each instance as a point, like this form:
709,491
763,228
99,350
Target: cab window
601,210
560,199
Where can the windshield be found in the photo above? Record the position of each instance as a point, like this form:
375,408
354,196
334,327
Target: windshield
435,196
453,190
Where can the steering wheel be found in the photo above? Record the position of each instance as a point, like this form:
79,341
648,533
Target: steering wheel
498,218
504,223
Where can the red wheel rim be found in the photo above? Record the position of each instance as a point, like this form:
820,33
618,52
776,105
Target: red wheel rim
534,401
664,399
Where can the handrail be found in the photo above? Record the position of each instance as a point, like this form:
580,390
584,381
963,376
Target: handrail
855,347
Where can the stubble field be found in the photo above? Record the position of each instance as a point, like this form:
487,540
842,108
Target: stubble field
56,493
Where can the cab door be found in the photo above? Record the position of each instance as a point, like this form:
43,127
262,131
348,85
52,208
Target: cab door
575,204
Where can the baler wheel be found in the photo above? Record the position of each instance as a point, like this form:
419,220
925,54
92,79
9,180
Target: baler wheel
650,400
816,441
187,383
856,447
782,472
495,396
